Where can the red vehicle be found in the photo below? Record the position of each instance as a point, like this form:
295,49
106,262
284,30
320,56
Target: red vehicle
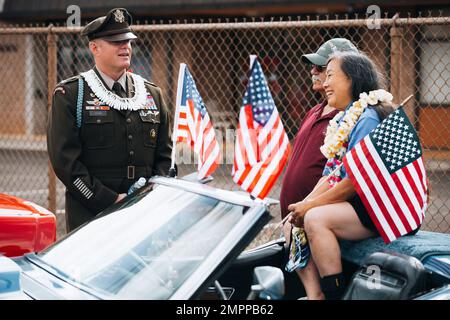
24,226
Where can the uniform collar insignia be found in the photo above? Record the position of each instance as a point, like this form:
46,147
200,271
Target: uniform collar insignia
138,101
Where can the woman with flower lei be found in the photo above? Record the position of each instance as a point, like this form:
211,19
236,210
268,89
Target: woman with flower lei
333,210
339,129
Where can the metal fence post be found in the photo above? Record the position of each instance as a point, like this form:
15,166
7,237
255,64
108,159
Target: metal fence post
52,74
398,69
396,62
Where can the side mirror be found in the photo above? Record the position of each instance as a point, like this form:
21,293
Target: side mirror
268,284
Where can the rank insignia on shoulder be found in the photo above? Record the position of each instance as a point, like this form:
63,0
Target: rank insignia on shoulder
59,89
150,104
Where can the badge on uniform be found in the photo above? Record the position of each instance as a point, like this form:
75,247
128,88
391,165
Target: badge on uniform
96,104
144,112
151,115
150,104
118,16
95,101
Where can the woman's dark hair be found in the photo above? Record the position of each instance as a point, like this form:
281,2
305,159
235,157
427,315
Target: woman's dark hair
364,76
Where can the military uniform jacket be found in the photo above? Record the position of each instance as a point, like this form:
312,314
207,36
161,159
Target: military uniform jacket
98,151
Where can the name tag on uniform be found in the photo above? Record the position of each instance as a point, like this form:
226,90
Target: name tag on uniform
98,113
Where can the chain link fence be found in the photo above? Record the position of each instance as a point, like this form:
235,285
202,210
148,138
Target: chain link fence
412,53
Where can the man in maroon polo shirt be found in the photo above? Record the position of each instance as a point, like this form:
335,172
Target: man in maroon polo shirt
307,162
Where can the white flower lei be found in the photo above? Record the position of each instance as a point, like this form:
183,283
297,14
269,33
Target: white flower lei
335,143
137,102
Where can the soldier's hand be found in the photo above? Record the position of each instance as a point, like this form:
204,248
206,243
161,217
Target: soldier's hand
120,197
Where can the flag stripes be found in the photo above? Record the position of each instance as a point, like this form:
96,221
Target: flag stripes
193,124
396,202
262,146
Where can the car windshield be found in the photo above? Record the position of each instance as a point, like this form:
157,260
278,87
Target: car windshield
146,247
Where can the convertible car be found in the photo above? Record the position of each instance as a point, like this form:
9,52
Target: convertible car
179,239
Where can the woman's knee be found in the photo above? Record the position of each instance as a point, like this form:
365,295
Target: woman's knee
314,221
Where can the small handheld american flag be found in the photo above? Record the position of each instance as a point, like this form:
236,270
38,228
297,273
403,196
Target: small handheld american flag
262,146
387,170
193,125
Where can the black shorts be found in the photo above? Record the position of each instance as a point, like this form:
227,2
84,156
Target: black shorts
362,213
364,217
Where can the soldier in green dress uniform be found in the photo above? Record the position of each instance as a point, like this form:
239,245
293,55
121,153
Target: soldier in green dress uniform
107,127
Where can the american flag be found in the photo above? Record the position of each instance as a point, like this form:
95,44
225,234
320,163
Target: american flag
387,170
262,146
193,125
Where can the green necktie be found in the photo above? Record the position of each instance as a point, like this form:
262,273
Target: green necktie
117,89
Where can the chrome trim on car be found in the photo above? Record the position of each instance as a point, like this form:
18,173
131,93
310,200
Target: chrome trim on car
442,293
195,187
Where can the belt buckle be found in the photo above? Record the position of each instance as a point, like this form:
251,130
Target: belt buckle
130,172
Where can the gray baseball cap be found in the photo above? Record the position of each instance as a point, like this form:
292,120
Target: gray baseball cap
321,56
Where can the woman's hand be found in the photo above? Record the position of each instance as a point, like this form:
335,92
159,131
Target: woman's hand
120,197
298,211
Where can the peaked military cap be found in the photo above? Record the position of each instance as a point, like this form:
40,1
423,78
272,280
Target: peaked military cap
115,26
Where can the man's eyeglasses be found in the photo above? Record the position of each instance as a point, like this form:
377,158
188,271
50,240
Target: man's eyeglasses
318,68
